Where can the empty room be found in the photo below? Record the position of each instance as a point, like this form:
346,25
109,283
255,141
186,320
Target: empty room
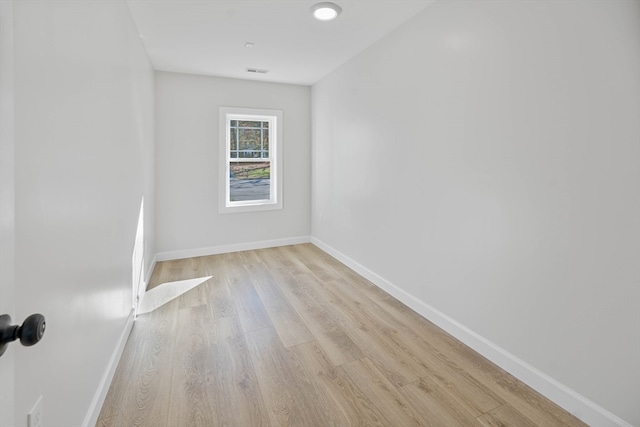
306,213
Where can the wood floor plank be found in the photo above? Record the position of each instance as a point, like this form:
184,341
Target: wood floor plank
289,403
278,258
472,391
130,364
337,344
235,396
189,395
194,297
286,320
311,367
528,402
350,335
317,265
427,360
139,391
435,405
106,421
218,297
451,351
386,401
290,336
345,402
248,305
399,367
328,265
504,416
501,384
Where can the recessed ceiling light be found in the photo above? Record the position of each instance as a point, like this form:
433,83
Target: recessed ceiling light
325,11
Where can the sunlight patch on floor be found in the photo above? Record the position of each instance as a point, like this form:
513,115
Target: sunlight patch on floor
166,292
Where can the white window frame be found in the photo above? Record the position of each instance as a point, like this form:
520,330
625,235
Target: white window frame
274,117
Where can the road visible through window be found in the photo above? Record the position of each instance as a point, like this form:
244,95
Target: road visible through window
250,181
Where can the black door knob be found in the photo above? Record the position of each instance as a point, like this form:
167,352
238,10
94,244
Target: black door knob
29,333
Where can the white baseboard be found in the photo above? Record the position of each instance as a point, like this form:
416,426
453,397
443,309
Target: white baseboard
93,413
223,249
576,404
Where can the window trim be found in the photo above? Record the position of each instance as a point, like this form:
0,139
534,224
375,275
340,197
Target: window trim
226,114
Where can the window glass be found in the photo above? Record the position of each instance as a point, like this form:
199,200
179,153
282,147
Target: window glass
252,159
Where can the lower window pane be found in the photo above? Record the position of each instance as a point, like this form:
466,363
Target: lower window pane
250,181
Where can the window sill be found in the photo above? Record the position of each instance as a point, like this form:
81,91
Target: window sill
252,206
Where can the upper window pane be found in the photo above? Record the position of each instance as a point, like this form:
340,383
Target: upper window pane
249,139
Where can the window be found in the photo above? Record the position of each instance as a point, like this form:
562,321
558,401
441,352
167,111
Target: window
251,153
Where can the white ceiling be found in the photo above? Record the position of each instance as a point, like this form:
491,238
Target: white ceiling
208,36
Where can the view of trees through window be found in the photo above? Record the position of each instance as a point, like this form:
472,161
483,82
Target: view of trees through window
249,161
249,139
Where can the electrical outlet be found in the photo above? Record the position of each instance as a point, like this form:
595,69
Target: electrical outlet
34,418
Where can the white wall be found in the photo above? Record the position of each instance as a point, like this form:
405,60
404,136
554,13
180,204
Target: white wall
84,160
7,205
187,162
485,159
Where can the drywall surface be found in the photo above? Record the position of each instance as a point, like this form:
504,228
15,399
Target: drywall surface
7,207
485,159
187,162
83,163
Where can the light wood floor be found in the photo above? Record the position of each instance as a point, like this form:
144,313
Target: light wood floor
290,336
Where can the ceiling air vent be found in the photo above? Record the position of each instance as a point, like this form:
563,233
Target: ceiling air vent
256,70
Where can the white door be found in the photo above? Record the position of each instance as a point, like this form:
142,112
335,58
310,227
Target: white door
7,207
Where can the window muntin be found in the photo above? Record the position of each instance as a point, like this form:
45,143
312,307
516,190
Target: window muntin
250,149
249,139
